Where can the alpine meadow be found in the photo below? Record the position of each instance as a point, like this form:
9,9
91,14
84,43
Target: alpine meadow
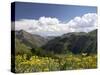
53,37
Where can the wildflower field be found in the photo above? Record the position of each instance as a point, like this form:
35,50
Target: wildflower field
43,64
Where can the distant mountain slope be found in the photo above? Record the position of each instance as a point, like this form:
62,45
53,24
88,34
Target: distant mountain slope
50,37
31,40
73,42
21,48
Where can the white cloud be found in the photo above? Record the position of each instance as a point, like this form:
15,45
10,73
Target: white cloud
44,24
48,21
86,23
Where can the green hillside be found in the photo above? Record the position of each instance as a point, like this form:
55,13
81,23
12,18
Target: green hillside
34,53
73,42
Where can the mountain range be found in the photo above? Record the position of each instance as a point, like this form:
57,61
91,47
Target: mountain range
74,42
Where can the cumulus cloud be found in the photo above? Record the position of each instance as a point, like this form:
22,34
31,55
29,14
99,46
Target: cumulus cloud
48,21
44,24
85,23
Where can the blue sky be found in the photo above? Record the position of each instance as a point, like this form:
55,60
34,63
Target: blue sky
62,12
54,19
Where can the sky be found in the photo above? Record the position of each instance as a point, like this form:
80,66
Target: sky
53,19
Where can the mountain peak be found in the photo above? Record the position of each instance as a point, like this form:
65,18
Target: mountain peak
29,39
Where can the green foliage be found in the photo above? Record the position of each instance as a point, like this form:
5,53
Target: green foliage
76,43
41,64
21,48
